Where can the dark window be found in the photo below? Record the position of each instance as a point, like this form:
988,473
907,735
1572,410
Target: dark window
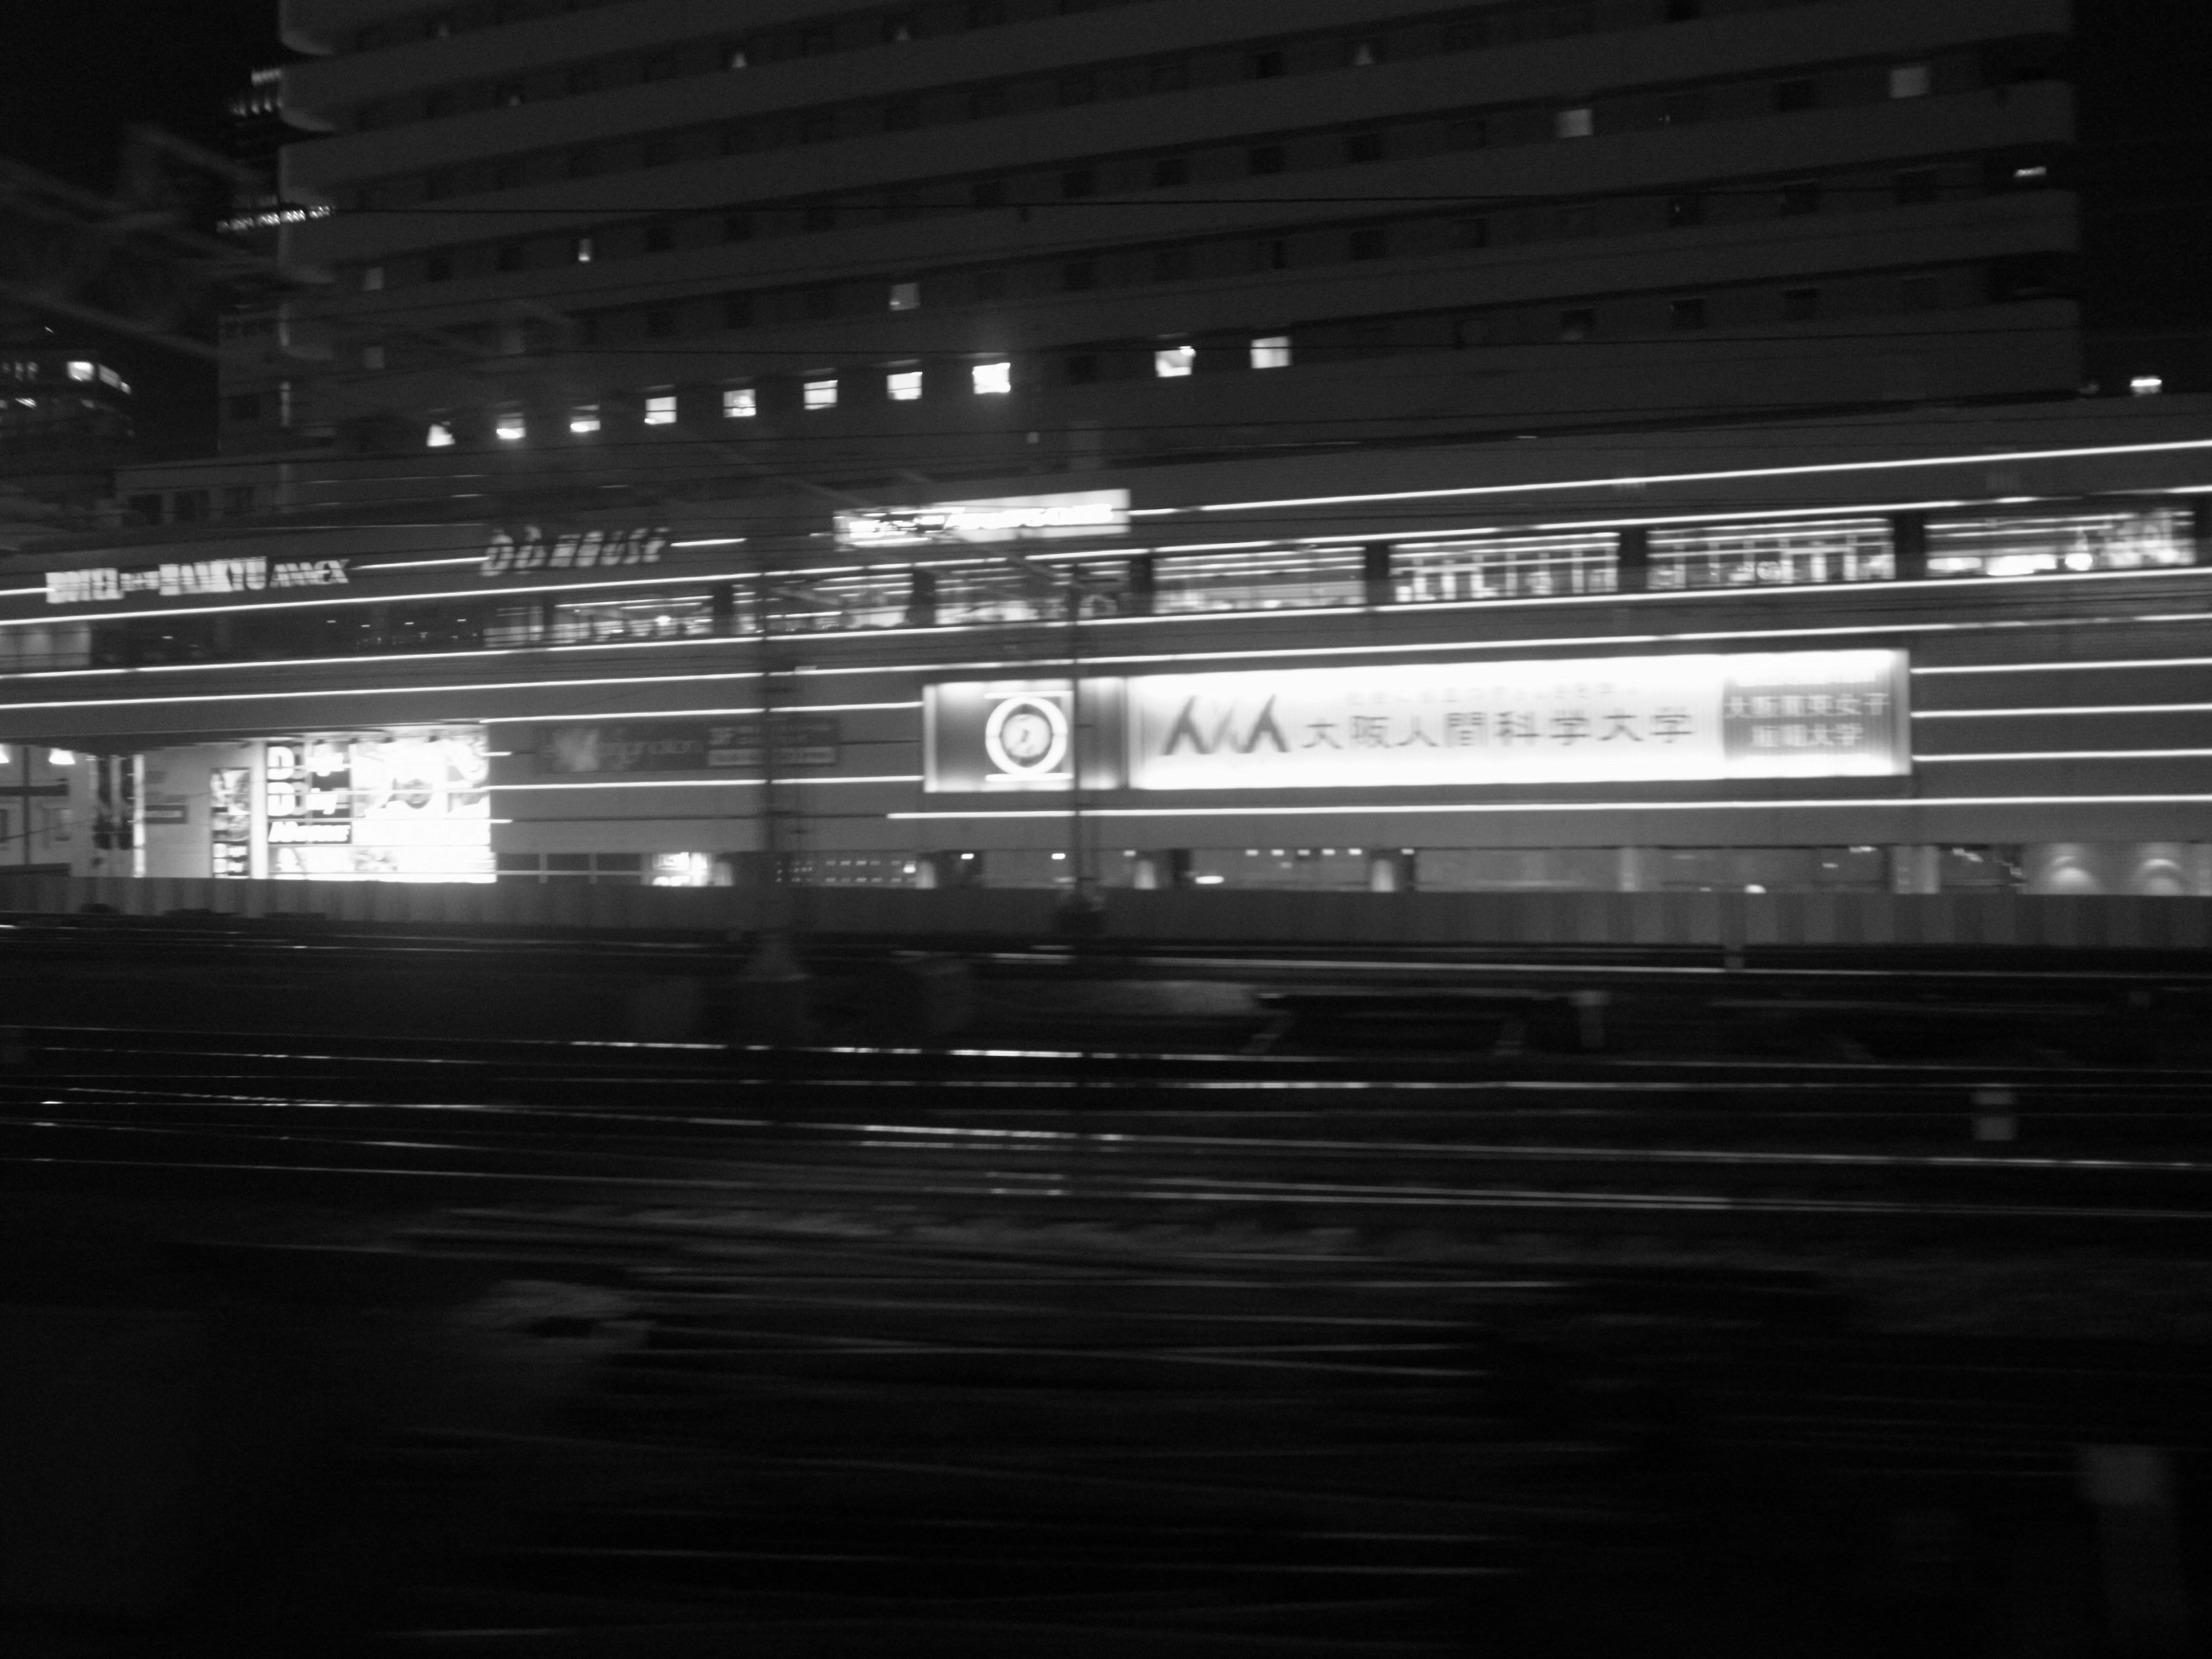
1267,65
1267,158
1174,75
1171,171
1800,305
660,322
817,38
438,105
659,239
1685,11
990,193
583,164
660,152
245,406
1471,232
237,500
584,78
659,67
1920,294
1372,243
821,303
817,126
509,257
1800,196
508,96
737,310
438,25
902,118
1082,368
1577,323
1686,313
1682,109
190,505
368,117
1467,135
1801,93
147,507
1362,147
439,267
819,216
1078,181
1683,210
985,102
508,175
1079,88
1078,275
437,186
899,27
986,13
1467,36
990,285
1362,53
1918,185
1170,264
736,55
1271,256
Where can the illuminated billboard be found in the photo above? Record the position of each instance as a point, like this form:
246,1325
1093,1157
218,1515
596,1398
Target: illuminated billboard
1564,721
407,806
1002,518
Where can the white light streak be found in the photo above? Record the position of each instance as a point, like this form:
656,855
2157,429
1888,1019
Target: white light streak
1462,808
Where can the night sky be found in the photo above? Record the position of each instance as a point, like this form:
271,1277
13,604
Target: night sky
76,73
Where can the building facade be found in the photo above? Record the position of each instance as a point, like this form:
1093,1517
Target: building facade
1634,444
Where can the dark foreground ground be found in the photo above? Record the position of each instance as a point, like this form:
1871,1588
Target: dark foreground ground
1063,1305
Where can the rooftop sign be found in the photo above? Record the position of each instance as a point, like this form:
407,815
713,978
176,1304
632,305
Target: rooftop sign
1004,519
190,580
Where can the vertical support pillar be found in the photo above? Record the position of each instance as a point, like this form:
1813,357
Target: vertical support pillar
1144,583
921,600
1632,560
1633,875
1390,872
1908,541
2200,529
1375,567
1915,869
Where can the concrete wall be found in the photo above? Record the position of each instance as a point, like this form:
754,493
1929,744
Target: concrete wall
1720,919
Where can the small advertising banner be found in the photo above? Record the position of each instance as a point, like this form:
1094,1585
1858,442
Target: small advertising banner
801,740
1599,719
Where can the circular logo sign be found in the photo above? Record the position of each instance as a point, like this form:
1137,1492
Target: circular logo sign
1026,736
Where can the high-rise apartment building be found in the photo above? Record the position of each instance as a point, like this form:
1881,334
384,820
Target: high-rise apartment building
710,247
1626,443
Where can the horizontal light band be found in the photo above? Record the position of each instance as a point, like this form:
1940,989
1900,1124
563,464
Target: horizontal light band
2096,709
691,714
1464,808
1818,469
2067,754
782,780
2054,667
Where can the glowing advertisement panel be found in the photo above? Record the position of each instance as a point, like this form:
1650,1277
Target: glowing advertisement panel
1577,721
407,806
1597,719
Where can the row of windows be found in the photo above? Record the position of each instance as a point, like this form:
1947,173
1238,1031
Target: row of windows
1623,318
1434,133
1508,565
1463,29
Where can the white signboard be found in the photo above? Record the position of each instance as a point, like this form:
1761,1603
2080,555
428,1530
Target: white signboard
1568,721
1593,720
532,547
1005,519
188,580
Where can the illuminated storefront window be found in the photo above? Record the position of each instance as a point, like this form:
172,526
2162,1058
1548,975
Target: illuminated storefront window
844,601
1172,362
991,379
398,805
1772,555
1502,567
510,427
584,419
740,403
1261,581
820,394
2032,545
660,615
660,406
903,386
440,436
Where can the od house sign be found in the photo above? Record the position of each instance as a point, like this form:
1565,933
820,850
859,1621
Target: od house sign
1598,719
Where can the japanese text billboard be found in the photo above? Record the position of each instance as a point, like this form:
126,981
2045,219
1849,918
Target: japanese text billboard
1599,719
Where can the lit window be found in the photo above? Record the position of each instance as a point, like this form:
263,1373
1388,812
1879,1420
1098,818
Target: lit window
2147,386
584,418
660,407
991,379
510,427
1272,351
1912,81
1575,123
61,757
906,297
109,377
820,394
81,371
372,278
904,384
587,250
440,436
372,357
1171,363
740,403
